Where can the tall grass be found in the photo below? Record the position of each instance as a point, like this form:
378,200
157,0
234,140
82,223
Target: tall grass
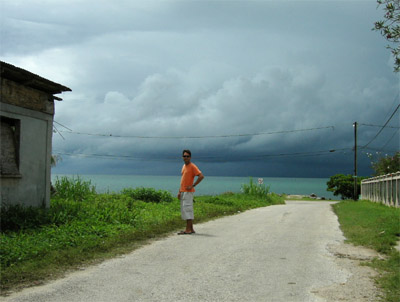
81,225
254,189
73,188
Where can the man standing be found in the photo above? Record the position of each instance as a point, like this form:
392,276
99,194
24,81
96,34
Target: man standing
186,191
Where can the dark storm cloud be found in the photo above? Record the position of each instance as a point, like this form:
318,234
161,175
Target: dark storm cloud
231,80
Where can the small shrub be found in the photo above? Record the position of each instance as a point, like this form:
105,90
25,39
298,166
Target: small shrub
253,189
148,195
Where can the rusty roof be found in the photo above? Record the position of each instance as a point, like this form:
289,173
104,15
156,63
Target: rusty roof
30,79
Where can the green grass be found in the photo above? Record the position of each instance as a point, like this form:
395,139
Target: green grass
377,227
82,227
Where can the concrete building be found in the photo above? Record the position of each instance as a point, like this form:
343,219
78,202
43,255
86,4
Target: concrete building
26,113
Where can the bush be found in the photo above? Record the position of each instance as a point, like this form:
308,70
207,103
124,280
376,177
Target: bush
148,195
253,189
343,185
386,164
19,217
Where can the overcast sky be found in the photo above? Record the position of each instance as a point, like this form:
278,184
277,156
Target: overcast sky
253,88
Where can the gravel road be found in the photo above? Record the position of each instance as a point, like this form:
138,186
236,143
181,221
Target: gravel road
277,253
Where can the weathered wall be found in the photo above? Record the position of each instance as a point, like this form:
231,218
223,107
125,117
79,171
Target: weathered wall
19,95
32,186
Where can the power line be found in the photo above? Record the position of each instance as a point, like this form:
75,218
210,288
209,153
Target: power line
394,102
390,139
62,125
380,150
57,131
205,158
197,137
300,154
383,127
371,125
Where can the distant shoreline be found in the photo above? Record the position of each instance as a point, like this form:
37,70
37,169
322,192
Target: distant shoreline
308,197
212,185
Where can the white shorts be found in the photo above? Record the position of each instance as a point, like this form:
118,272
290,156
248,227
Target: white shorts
187,205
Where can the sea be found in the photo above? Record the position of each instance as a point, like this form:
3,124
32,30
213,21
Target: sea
211,185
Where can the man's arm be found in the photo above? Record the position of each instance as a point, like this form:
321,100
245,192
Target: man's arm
200,177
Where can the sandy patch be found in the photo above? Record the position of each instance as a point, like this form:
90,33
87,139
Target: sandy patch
360,286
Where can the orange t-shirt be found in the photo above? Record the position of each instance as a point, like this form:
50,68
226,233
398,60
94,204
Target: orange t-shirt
188,173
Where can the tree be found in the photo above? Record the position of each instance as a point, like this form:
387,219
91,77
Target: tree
343,185
386,164
390,28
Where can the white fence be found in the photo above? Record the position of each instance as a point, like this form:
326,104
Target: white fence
384,189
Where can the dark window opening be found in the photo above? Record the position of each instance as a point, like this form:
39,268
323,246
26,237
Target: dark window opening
10,141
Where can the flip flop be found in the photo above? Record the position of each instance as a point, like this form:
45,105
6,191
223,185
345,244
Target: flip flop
185,233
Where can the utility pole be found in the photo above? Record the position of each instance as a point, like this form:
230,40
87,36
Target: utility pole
355,161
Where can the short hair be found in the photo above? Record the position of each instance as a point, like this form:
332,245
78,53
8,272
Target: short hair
187,151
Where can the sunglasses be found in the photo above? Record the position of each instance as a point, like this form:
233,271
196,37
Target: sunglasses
186,156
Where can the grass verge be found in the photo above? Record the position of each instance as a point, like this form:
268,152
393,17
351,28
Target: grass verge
83,227
375,226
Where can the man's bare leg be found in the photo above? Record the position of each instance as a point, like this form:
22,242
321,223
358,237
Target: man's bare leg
189,226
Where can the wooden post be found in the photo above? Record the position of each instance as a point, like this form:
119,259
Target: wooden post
355,161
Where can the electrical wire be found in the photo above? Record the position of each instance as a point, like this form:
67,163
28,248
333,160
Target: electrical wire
380,150
395,100
390,139
371,125
197,137
62,125
383,127
206,158
58,132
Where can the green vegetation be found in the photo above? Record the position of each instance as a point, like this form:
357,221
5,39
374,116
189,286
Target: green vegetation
74,188
82,226
343,185
256,190
148,195
385,164
389,28
375,226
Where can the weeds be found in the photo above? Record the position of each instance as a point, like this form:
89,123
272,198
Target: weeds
74,188
253,189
